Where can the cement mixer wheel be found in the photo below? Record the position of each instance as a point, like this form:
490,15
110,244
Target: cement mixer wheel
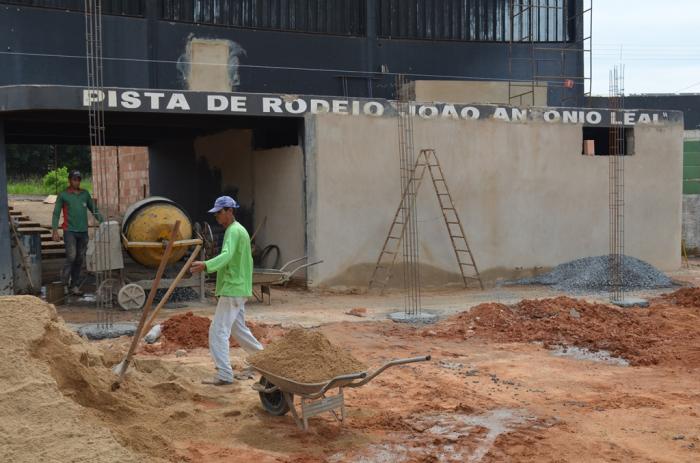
131,297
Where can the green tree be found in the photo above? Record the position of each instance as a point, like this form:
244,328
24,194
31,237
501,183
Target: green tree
56,180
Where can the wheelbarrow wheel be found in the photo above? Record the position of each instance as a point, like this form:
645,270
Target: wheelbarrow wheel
273,402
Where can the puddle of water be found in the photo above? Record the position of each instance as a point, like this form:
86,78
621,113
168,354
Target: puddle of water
579,353
441,438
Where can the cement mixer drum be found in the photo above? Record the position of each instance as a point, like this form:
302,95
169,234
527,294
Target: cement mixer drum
151,220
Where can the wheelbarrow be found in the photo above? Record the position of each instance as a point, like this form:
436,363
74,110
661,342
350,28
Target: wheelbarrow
277,393
266,277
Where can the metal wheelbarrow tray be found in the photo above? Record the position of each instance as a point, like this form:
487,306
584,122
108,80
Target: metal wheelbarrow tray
277,392
266,277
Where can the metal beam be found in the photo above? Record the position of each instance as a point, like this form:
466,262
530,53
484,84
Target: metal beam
6,286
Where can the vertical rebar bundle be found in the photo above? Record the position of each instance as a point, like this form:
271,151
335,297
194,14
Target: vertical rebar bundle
93,51
616,174
407,158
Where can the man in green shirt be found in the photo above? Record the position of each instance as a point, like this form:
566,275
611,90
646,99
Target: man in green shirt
234,284
74,203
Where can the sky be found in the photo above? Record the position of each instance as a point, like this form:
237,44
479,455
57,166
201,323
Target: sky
657,41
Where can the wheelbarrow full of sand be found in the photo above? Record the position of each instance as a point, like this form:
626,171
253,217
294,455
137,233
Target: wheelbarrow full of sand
277,393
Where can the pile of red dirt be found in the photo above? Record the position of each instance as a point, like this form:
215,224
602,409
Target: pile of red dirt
190,331
660,334
684,297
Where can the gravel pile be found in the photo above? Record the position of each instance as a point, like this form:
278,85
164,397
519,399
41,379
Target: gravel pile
178,295
592,274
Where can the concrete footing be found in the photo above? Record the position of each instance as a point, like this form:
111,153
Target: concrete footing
95,331
423,317
629,302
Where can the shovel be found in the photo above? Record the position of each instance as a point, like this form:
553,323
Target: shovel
121,367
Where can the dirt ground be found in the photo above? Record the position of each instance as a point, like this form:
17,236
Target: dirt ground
480,398
509,380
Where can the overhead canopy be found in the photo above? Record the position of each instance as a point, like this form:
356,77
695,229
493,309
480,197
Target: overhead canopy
57,114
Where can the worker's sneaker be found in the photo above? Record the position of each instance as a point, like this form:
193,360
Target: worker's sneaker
75,291
217,382
246,373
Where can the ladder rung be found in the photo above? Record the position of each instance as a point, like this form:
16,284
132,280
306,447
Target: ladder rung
452,223
388,252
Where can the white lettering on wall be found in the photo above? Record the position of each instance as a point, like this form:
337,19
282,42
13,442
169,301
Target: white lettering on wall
178,100
238,104
552,116
217,103
272,105
297,106
130,100
155,98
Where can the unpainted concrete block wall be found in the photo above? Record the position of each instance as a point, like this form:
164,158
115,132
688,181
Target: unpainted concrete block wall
527,197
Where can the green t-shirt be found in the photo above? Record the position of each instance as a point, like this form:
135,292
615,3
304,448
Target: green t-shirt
234,266
74,205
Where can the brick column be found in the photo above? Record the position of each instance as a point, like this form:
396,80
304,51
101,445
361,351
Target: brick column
120,177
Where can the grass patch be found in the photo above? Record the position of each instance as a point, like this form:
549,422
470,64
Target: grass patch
35,186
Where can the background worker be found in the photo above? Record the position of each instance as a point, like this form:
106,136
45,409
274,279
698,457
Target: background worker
234,284
74,202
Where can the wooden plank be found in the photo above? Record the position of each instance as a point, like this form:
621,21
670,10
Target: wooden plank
31,229
52,253
52,245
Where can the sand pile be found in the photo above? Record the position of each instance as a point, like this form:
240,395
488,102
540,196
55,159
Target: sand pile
307,357
39,423
190,331
660,334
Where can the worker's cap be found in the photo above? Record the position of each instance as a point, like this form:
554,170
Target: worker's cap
75,174
222,202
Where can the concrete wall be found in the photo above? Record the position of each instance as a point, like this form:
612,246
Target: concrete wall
465,92
265,183
525,194
279,196
230,153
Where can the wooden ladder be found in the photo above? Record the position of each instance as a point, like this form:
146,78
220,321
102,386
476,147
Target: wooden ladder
427,160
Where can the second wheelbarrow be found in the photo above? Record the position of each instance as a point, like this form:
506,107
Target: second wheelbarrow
266,277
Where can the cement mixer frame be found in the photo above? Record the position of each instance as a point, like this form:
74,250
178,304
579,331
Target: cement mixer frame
131,295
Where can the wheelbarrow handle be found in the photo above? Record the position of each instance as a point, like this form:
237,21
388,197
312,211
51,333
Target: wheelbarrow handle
393,363
291,262
337,380
292,272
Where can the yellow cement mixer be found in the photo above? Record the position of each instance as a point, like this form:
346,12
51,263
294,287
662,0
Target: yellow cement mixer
145,231
146,227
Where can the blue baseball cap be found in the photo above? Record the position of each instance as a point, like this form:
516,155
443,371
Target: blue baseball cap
222,202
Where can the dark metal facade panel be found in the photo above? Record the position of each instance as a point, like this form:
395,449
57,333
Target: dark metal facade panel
336,17
144,53
119,7
473,20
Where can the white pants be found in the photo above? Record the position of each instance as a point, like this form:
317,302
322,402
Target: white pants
229,320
